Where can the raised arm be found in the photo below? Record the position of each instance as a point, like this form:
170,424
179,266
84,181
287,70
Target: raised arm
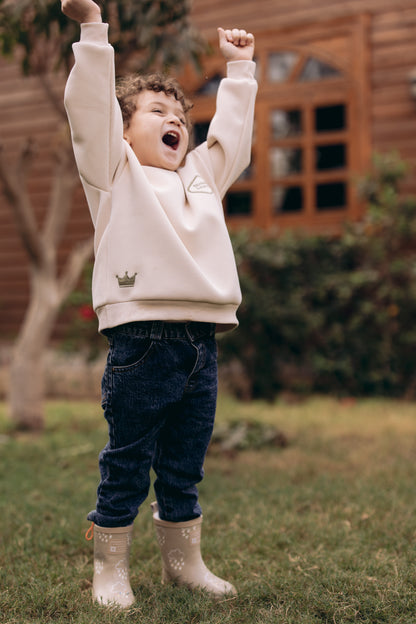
93,111
230,132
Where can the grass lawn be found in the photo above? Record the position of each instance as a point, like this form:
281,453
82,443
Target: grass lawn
322,530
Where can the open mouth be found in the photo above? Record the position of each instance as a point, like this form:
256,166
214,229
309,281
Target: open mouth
171,139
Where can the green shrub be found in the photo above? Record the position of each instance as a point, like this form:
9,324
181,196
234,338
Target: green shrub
332,314
82,324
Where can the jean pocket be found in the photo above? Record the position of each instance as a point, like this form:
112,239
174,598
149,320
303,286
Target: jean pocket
129,351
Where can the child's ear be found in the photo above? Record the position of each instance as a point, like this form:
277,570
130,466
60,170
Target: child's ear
126,136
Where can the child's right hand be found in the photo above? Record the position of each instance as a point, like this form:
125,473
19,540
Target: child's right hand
236,44
82,11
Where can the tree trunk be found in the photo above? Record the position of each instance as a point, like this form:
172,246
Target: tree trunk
48,289
26,384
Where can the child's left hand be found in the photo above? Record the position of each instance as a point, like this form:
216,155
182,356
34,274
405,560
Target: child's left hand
236,44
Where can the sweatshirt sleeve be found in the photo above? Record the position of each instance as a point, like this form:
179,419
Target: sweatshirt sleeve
94,114
230,132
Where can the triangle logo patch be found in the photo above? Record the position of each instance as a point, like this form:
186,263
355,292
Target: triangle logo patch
198,185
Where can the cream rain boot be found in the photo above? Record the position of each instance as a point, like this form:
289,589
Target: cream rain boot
179,544
111,582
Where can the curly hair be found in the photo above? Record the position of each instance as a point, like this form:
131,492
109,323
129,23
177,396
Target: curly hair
128,87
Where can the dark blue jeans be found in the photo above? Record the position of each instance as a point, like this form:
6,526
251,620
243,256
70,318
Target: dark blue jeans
159,394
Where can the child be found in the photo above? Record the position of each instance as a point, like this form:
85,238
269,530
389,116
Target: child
164,282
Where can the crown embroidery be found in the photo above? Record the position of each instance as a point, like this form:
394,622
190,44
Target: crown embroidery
126,281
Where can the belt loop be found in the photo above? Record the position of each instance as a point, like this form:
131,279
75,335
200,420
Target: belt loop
188,331
156,330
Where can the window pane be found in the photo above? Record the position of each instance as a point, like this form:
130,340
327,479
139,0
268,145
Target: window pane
315,69
331,196
247,173
330,118
280,65
210,87
330,157
285,161
287,199
200,131
238,203
285,123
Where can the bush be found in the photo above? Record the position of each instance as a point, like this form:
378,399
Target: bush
332,314
82,330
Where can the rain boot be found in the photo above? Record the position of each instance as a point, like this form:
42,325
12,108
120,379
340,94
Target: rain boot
180,547
111,582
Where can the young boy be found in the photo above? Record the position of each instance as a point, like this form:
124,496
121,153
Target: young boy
164,282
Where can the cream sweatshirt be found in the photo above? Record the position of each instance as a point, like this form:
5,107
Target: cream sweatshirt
162,249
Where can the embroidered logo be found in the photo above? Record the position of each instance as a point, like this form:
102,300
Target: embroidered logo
198,185
126,281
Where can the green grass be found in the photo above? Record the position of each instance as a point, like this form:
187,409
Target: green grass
322,530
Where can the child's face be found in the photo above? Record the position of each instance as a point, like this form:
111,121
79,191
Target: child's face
157,132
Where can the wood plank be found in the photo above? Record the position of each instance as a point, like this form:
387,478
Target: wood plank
278,14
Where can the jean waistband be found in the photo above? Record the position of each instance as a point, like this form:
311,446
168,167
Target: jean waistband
157,330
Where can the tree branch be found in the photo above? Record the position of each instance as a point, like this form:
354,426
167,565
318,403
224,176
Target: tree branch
60,201
73,268
54,98
15,190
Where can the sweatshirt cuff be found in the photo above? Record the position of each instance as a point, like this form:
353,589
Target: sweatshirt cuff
241,69
95,32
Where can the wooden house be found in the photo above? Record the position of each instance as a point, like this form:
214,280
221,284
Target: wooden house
334,87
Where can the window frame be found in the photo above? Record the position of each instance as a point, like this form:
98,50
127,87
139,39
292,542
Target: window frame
349,37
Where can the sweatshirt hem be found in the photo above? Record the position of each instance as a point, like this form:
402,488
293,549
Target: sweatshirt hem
112,315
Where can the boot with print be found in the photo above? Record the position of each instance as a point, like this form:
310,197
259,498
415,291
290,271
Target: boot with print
180,547
111,582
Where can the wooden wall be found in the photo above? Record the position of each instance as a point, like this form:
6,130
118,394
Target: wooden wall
24,111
